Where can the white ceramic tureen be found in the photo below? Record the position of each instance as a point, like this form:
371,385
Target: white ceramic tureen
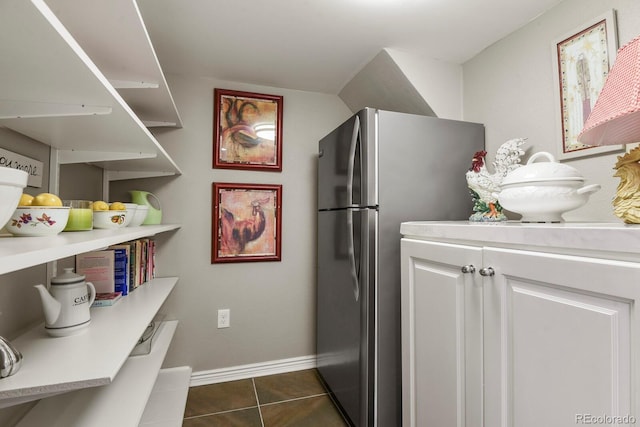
543,191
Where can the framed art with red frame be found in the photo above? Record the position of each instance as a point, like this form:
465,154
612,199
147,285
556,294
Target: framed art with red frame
247,130
246,222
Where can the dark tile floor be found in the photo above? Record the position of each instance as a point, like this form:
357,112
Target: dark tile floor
292,399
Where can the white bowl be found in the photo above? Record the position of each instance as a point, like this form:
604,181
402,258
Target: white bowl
38,220
12,181
110,219
131,211
139,216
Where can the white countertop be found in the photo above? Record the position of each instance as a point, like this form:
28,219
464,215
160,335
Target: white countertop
579,236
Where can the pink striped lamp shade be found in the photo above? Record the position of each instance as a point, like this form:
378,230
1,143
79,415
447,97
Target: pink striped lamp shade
615,118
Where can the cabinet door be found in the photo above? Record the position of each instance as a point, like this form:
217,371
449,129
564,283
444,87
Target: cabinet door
441,335
560,334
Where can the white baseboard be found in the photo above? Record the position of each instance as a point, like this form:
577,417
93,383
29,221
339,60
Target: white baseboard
242,372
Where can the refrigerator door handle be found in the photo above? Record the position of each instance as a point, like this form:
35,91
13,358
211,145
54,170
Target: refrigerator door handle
352,160
355,279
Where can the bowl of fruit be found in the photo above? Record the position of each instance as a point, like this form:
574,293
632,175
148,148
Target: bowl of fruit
109,215
42,215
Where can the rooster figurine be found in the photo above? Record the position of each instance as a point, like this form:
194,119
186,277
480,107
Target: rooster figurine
484,186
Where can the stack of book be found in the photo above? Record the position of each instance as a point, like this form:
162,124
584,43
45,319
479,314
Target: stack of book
119,268
105,299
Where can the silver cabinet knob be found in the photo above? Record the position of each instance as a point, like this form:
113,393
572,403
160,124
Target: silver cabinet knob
468,269
487,271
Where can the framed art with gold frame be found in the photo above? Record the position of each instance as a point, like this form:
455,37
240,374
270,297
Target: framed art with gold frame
582,59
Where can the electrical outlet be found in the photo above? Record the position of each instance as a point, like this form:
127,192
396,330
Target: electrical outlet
224,318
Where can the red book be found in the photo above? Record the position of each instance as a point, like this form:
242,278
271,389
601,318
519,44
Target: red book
104,299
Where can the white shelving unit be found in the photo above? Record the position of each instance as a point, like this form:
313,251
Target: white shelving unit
167,401
92,358
81,76
113,34
17,253
84,376
120,404
53,92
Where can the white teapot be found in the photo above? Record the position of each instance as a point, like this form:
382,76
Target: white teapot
66,305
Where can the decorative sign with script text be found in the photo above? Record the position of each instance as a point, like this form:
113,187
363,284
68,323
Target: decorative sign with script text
33,167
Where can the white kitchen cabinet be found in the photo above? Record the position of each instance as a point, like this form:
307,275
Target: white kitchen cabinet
559,324
82,77
441,335
558,338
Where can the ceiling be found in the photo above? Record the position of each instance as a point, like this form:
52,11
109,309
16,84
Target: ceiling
319,45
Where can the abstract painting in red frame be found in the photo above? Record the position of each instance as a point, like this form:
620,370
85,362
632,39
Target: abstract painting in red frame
247,130
246,222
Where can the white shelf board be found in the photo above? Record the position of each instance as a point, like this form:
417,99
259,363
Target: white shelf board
119,404
168,400
92,358
17,253
17,109
113,34
49,67
120,175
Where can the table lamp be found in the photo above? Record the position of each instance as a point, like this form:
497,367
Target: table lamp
614,120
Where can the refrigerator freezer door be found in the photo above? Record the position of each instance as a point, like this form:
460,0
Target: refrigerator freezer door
340,167
345,355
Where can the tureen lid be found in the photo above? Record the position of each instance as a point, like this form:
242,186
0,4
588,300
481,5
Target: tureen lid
550,170
67,277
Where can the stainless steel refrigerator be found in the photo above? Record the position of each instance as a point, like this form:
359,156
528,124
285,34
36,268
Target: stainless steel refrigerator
376,170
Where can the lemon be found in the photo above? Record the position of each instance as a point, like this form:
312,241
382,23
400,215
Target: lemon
46,199
117,206
100,205
25,200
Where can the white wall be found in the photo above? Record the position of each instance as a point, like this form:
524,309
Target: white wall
383,84
510,88
439,82
272,303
